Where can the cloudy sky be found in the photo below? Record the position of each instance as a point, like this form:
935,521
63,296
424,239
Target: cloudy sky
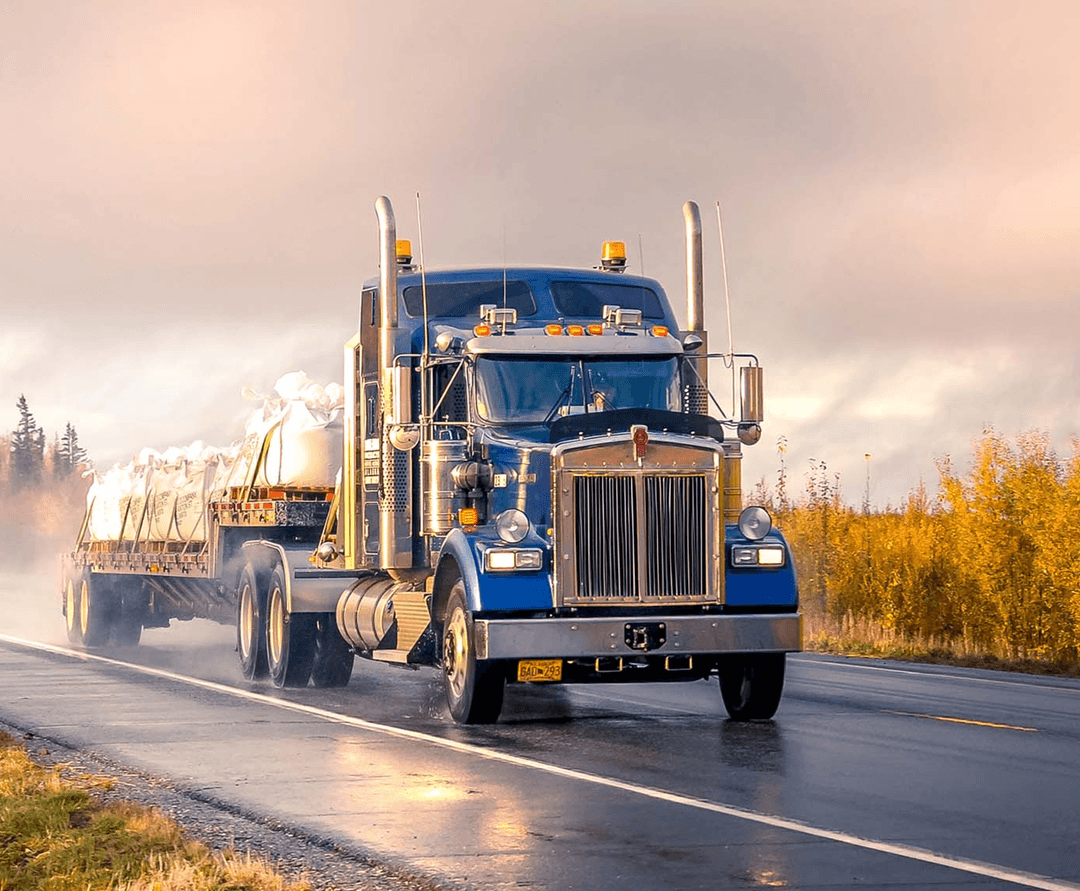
186,199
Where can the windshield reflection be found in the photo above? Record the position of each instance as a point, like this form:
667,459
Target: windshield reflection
538,391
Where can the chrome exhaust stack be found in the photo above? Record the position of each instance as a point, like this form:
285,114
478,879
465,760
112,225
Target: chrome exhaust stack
695,337
395,508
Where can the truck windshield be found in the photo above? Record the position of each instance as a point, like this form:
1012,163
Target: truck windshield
540,390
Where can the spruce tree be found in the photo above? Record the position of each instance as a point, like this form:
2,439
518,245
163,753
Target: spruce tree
27,448
69,454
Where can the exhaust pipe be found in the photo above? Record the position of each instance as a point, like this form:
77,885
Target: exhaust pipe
395,519
697,392
695,288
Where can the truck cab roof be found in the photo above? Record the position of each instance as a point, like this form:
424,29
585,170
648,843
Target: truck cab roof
540,295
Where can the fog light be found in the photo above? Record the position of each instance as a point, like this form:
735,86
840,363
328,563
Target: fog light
512,525
755,523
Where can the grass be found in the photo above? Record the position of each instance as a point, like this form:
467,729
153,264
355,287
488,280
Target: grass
879,646
57,835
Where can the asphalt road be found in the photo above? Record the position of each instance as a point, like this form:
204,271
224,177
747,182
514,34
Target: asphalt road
873,774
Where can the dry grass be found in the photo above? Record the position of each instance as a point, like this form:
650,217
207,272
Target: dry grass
56,836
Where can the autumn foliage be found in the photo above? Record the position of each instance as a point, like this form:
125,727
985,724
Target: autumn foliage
990,564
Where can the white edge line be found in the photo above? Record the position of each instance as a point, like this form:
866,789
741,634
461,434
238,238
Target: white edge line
922,855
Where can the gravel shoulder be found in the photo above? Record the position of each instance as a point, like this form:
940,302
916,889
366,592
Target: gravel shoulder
322,862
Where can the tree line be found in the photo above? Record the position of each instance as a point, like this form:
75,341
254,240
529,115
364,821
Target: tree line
42,489
988,564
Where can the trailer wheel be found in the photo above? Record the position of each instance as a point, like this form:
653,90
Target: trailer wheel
72,587
250,627
333,662
128,619
290,638
95,607
751,686
474,689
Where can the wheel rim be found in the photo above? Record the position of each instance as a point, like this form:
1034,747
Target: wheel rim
69,605
84,606
456,652
275,632
247,623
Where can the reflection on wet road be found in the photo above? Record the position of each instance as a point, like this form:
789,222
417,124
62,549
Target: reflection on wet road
867,770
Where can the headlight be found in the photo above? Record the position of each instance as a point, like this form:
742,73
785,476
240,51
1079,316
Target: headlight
757,555
755,523
512,525
509,559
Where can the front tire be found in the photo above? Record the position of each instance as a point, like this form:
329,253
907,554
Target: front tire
290,637
250,627
474,689
751,685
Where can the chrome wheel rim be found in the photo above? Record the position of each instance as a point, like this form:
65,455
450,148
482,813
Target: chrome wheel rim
84,606
456,652
275,635
69,605
247,623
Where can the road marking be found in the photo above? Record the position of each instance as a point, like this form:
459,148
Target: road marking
908,852
965,721
852,662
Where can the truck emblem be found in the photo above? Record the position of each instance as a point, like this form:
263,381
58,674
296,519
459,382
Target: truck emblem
639,433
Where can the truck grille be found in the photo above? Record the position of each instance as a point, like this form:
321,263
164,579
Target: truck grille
640,537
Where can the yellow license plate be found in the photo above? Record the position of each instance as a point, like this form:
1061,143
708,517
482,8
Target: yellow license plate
539,670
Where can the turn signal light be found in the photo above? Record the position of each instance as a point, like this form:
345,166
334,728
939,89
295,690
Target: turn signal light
469,516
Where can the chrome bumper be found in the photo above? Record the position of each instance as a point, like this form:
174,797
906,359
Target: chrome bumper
592,638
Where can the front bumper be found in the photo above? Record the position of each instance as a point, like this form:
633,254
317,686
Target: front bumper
610,636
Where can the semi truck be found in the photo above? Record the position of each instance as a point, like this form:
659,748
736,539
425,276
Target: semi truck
536,486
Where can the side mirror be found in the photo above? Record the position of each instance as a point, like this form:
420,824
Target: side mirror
692,342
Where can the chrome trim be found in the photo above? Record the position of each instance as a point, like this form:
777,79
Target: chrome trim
593,638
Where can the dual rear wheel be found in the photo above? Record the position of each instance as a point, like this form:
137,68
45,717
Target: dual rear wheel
289,648
101,609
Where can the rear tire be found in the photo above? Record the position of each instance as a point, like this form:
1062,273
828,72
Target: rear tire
474,689
95,610
72,587
129,610
290,637
250,626
751,685
333,658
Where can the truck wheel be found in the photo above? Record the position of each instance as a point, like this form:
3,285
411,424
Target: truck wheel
333,663
474,689
751,685
72,587
250,627
290,638
95,608
128,621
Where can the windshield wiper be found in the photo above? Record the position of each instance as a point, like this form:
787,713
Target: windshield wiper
564,396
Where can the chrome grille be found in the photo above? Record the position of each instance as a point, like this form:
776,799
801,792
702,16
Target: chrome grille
640,537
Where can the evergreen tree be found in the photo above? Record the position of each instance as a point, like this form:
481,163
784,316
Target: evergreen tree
27,448
69,454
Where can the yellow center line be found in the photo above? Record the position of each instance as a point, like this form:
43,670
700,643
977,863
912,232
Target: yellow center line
965,721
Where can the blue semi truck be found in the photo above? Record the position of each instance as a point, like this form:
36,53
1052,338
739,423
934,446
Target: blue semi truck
533,490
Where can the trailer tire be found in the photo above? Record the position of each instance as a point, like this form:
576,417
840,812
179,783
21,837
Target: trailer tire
250,627
95,610
72,587
751,685
333,659
128,614
290,637
474,689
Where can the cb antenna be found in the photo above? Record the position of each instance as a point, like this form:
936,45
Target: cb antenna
727,302
423,276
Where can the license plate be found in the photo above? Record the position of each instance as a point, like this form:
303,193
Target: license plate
539,670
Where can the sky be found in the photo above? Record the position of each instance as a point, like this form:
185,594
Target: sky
187,200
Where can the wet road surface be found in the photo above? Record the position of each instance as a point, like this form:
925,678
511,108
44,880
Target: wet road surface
868,773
